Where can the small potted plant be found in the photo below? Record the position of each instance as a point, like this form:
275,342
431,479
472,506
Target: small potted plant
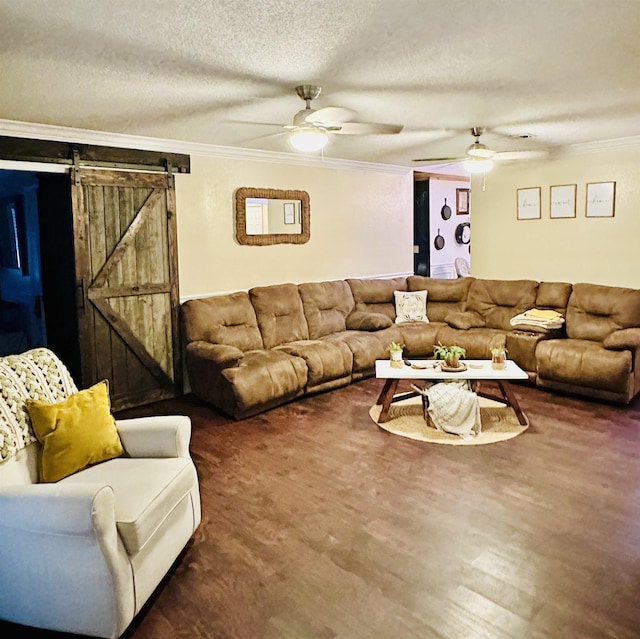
499,357
450,355
395,355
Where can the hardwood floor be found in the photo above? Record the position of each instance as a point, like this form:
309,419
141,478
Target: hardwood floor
318,525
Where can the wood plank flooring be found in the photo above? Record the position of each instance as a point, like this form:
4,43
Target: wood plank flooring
319,525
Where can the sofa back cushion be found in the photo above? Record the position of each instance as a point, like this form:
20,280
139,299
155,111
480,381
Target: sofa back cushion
279,313
553,296
222,319
595,311
443,296
376,296
326,305
497,301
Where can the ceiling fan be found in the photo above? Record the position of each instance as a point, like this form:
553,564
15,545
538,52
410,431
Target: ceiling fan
310,128
479,158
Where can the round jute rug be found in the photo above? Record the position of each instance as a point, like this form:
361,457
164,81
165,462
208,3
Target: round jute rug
499,422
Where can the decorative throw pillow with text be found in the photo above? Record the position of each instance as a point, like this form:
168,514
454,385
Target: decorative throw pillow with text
411,306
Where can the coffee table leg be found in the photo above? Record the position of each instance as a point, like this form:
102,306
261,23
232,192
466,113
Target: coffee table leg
511,399
385,398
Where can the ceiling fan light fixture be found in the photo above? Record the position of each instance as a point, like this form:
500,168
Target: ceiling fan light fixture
308,139
479,150
475,165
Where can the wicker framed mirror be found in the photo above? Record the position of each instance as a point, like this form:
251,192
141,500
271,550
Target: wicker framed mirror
272,216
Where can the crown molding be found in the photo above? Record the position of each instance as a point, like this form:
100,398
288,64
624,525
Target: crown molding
14,128
617,144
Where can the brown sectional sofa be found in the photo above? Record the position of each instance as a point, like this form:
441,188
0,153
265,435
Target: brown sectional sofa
247,352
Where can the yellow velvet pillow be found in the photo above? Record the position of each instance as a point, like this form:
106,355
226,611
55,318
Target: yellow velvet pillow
75,433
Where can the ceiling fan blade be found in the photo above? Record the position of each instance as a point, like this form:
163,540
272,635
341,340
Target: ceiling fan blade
265,136
520,155
439,160
369,128
330,115
254,123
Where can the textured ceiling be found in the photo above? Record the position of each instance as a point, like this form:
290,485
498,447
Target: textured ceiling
565,72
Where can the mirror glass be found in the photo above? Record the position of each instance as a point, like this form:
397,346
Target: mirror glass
272,216
265,216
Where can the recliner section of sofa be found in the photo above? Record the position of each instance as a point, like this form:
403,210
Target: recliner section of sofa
283,324
250,351
227,362
601,351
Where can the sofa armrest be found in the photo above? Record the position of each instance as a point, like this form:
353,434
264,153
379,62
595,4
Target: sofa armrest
363,321
625,339
223,355
157,436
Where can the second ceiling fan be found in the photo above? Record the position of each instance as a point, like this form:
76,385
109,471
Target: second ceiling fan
479,158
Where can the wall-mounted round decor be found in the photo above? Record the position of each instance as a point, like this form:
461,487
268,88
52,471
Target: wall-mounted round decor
463,233
445,211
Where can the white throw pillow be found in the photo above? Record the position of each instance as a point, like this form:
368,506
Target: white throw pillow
411,306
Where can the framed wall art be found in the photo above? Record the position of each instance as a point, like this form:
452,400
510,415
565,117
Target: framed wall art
529,203
562,201
289,213
600,199
462,201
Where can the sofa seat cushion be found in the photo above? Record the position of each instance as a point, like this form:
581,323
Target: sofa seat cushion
477,342
160,485
266,375
418,338
325,360
585,363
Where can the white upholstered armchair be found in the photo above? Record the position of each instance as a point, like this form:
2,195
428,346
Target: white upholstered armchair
83,554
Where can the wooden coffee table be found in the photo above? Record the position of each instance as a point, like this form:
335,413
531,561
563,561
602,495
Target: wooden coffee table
478,370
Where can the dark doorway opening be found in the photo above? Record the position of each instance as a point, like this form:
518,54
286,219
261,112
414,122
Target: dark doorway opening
37,272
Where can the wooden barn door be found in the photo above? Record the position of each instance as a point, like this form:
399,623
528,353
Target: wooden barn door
127,279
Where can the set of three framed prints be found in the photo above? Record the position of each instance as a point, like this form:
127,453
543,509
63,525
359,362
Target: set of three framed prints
599,201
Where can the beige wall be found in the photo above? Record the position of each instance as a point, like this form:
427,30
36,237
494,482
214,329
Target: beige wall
598,250
361,225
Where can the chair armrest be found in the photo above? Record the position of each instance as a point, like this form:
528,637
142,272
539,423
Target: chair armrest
625,339
57,509
223,355
157,436
64,565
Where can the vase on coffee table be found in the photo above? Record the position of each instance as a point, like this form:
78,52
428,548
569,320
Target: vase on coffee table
499,358
395,355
